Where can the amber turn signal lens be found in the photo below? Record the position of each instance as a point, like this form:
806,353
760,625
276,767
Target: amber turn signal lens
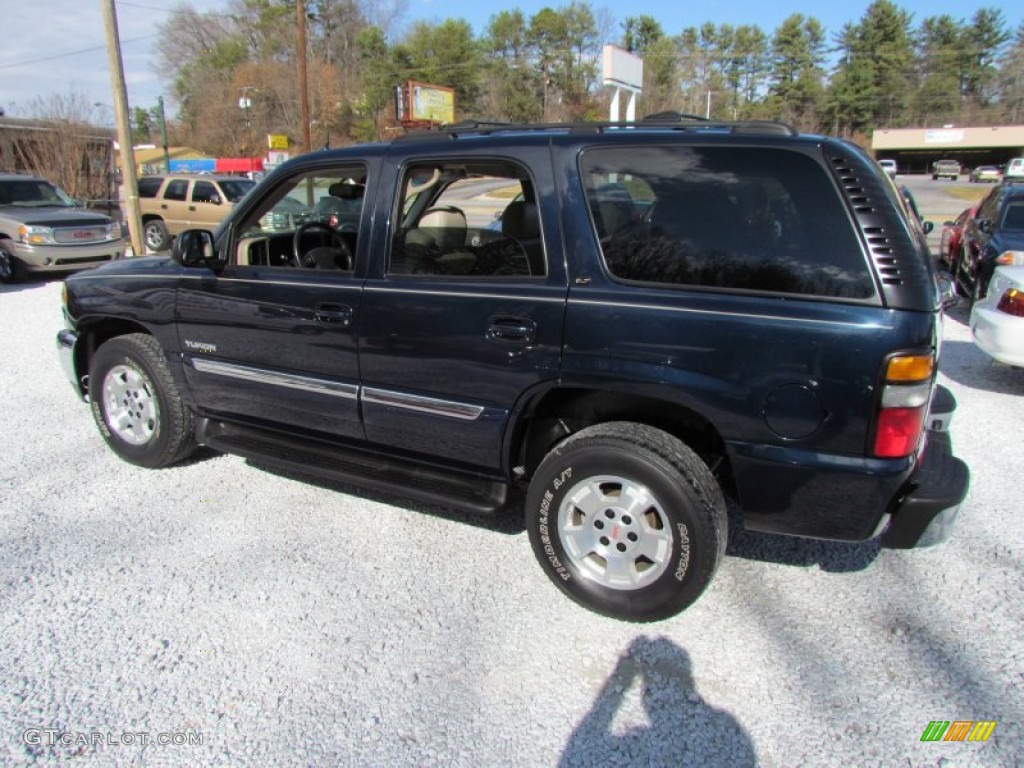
910,368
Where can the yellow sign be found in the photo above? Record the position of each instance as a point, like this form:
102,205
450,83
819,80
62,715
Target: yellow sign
432,102
277,141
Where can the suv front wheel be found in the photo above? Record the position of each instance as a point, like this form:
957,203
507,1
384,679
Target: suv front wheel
136,404
627,521
9,268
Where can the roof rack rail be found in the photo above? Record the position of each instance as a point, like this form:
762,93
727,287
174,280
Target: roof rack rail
673,120
672,115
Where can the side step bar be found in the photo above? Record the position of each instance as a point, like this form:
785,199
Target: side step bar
366,470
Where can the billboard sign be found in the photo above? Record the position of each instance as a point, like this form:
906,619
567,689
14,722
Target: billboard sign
434,103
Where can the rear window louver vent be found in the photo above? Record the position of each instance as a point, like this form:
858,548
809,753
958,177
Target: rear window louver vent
877,221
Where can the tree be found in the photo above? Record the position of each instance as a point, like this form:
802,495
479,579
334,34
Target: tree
981,44
797,75
938,63
515,89
873,79
1011,78
65,148
446,54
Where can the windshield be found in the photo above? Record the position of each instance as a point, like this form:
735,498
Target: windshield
34,193
236,189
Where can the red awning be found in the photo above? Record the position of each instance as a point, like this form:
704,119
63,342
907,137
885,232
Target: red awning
238,164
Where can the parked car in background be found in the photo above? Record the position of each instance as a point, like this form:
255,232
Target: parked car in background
992,237
175,202
1014,170
949,240
997,321
889,166
43,229
946,169
989,173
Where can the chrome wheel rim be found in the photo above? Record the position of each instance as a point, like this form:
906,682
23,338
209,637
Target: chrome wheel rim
154,237
615,531
130,406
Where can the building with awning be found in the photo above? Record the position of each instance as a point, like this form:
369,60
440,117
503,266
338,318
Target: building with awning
915,149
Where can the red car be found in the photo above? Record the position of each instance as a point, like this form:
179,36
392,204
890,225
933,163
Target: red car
952,231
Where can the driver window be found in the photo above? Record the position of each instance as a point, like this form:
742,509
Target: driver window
310,221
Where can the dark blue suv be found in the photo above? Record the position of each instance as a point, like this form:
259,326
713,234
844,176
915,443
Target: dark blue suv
671,315
994,236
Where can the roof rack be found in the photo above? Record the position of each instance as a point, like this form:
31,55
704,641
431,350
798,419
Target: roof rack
677,121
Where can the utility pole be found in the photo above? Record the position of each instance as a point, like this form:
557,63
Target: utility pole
163,132
124,134
300,23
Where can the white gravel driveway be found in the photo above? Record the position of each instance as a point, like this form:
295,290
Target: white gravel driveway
252,619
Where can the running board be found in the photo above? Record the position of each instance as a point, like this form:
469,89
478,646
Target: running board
366,470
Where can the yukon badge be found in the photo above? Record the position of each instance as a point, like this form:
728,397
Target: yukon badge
200,346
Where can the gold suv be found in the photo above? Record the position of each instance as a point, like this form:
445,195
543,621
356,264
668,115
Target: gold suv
172,203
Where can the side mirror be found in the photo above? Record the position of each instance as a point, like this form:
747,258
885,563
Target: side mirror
947,291
927,226
985,225
215,199
194,248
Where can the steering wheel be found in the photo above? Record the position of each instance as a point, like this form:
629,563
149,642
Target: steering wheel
307,259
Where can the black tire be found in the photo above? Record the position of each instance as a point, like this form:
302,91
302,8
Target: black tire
10,269
683,517
155,235
130,374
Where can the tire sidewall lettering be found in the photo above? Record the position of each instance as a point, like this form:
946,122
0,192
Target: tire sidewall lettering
544,525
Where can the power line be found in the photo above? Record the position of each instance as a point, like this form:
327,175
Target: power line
72,53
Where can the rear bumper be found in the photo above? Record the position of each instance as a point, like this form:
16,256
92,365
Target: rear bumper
997,334
926,514
908,502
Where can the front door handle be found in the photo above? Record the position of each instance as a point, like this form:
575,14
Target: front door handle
511,329
333,314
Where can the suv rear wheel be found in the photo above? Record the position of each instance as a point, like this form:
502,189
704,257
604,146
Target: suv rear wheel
136,404
155,235
627,521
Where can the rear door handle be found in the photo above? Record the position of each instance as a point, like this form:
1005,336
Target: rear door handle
511,329
333,314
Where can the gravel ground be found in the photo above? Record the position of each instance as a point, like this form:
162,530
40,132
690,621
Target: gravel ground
279,622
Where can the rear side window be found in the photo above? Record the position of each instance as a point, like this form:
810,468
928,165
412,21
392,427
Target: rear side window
176,189
205,192
149,187
755,219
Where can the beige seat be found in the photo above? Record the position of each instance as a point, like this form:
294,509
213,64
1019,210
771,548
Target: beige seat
438,243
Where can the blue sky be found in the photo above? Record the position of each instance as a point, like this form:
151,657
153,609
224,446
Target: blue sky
58,46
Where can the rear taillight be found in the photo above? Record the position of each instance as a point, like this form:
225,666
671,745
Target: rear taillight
1012,303
906,390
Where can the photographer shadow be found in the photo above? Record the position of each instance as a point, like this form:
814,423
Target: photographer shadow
683,729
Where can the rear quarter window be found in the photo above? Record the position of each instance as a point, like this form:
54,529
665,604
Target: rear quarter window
758,219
